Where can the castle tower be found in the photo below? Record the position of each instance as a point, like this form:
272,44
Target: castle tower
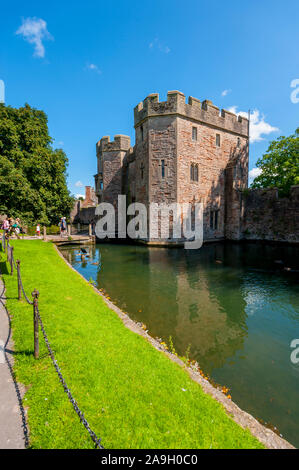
110,155
185,152
193,152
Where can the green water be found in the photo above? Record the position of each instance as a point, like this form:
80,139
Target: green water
231,304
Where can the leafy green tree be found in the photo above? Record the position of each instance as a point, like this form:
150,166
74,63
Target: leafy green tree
32,174
280,164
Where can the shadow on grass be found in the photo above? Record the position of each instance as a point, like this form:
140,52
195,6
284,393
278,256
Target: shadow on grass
3,267
27,352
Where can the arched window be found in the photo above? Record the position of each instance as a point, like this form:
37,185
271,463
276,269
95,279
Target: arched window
196,172
192,171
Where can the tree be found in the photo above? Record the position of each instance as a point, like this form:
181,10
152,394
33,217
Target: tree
32,174
280,164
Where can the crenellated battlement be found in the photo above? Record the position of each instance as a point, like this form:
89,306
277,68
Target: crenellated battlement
120,143
205,112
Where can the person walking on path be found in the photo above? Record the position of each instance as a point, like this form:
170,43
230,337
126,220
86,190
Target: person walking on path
16,228
5,225
38,230
63,226
13,427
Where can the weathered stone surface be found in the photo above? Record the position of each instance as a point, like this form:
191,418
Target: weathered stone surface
84,211
266,216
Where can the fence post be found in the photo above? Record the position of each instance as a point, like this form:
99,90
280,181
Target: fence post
89,230
35,295
45,233
11,260
19,279
69,230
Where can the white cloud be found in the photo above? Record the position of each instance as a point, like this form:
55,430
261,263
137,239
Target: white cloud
258,126
254,173
94,68
225,92
156,43
60,143
79,184
34,30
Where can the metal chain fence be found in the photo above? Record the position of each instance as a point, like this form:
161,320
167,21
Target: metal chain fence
8,249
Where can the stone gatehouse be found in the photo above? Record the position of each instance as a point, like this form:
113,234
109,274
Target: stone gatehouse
185,153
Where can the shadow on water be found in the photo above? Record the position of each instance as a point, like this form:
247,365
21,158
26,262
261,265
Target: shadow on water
235,305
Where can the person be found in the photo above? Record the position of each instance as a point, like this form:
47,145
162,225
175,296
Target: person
65,225
14,228
38,230
62,226
5,226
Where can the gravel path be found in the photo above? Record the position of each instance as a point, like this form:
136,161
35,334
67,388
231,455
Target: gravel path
13,429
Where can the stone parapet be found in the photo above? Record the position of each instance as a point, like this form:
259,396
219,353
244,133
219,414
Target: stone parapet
205,112
120,142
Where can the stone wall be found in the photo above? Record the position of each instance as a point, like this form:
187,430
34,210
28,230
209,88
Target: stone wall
221,171
269,217
82,215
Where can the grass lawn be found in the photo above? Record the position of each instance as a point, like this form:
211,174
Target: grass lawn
131,394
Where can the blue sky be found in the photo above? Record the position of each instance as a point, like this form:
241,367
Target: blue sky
87,64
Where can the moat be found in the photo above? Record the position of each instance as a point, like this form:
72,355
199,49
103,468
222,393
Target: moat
235,306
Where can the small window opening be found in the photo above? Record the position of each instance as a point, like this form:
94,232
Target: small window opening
163,168
214,219
194,172
217,140
194,133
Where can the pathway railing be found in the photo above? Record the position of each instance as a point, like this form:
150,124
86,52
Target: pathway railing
37,321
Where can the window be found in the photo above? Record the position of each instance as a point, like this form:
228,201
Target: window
142,170
239,142
217,140
194,172
214,219
141,133
194,133
163,168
